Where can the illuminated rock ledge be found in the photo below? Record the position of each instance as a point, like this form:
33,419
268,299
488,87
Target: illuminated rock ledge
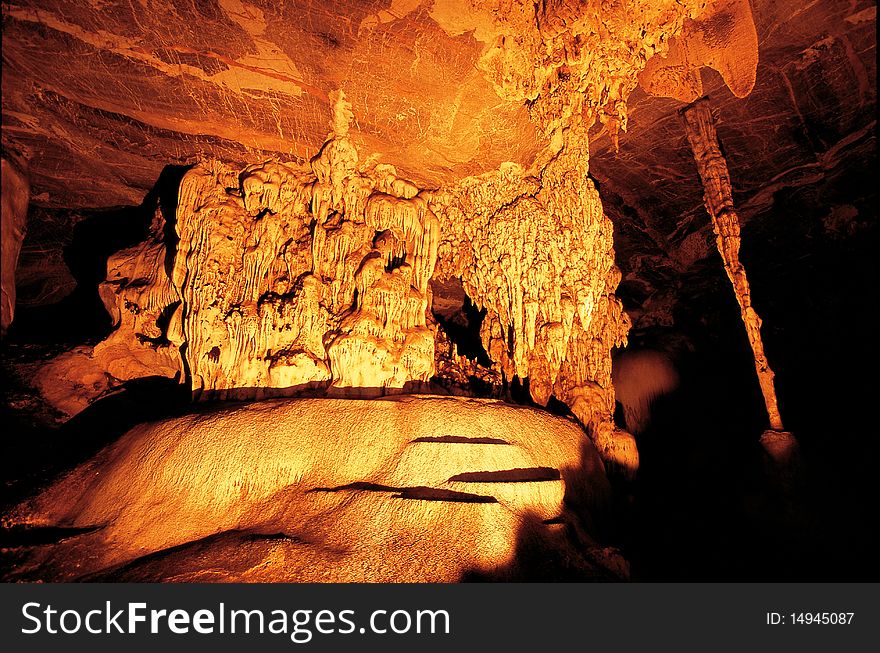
405,489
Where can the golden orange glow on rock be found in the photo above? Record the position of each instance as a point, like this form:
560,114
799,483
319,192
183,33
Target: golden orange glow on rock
407,489
353,236
700,127
15,195
722,37
286,278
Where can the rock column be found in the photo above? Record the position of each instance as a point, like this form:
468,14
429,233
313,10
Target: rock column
781,447
718,197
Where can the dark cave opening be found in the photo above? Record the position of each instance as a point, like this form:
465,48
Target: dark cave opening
705,504
80,317
460,320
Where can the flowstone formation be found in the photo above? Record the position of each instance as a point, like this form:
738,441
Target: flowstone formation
536,253
402,489
291,278
285,279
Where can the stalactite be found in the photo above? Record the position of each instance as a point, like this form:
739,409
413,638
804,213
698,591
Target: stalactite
700,127
285,277
781,446
537,254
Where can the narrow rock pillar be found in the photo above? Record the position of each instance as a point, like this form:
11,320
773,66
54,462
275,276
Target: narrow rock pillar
783,466
718,197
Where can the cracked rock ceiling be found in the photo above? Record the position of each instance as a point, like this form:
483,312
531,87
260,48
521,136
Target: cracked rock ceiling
100,96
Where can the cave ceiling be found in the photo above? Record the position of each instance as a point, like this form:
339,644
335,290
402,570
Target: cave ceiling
100,96
112,92
806,130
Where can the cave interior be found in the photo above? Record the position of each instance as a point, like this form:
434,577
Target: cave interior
402,290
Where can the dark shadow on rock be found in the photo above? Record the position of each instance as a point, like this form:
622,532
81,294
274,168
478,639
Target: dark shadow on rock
33,458
706,508
460,439
213,558
567,548
549,551
80,317
518,475
415,493
24,536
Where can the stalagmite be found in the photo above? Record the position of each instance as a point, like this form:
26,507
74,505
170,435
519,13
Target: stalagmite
718,197
536,253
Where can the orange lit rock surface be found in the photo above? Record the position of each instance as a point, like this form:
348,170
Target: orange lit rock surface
288,278
700,128
723,37
404,489
808,122
461,168
443,90
290,275
13,214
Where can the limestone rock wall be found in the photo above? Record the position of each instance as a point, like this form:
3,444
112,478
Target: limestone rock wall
537,253
294,277
138,295
577,60
288,277
404,489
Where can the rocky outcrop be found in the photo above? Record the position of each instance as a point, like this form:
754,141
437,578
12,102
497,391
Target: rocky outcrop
536,253
284,279
299,277
288,277
722,37
414,489
446,90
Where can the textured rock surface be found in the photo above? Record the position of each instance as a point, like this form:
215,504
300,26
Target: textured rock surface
411,489
804,136
422,78
723,38
301,277
285,278
480,106
13,214
42,277
718,197
292,277
444,90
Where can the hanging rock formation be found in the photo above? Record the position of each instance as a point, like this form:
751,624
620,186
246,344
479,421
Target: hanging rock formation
295,278
288,278
718,197
536,253
445,89
723,37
